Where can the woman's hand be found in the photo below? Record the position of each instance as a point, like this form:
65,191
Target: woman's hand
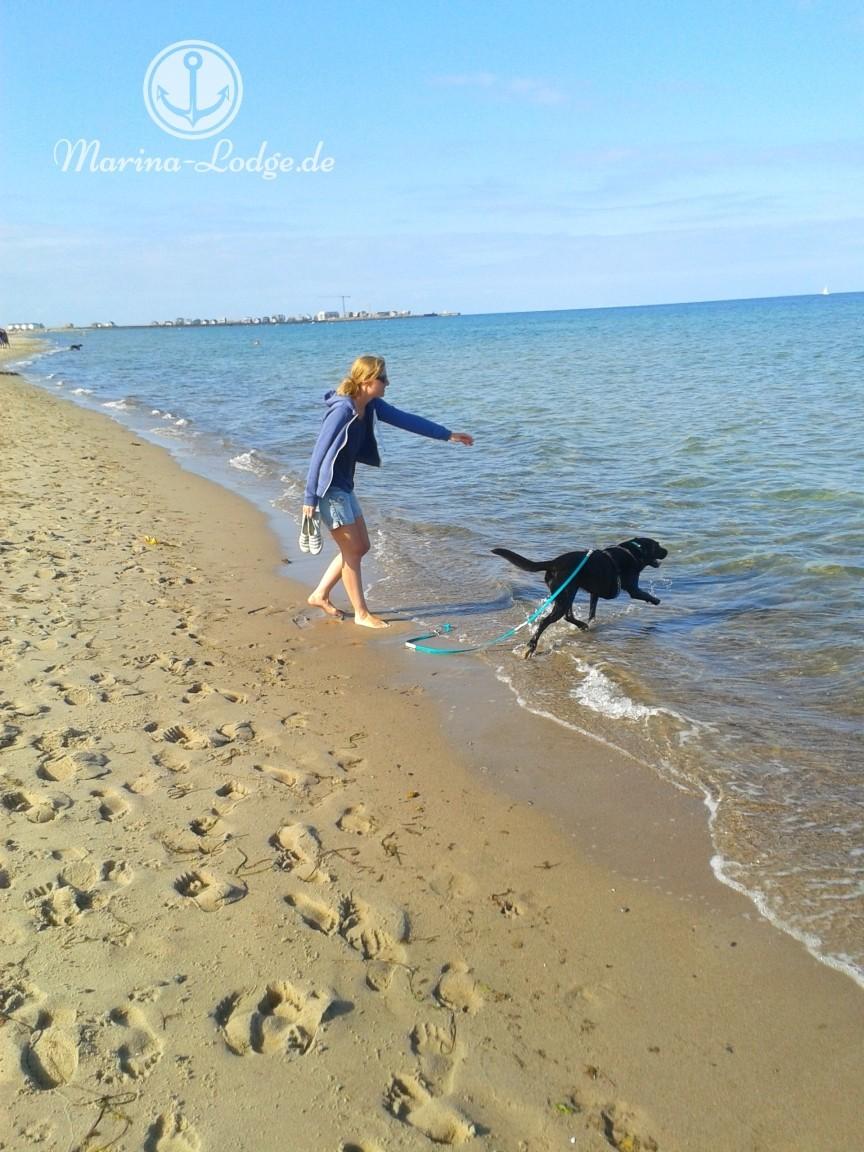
461,438
308,510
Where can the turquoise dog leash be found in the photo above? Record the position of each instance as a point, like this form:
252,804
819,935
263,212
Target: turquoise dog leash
445,628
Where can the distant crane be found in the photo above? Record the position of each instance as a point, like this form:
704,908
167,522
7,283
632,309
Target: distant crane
342,298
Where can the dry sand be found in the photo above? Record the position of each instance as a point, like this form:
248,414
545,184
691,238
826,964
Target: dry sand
252,899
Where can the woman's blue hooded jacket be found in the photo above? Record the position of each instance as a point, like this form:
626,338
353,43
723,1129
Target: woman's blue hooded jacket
333,437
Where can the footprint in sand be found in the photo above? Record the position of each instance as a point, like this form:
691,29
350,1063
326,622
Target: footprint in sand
19,1000
348,762
63,739
8,735
297,781
356,820
234,790
296,722
69,765
509,904
171,762
618,1126
53,905
376,933
209,824
142,785
36,809
23,708
112,806
82,875
408,1099
172,1132
207,891
167,662
204,835
458,990
5,876
183,737
70,693
81,887
241,733
427,1037
51,1055
140,1049
117,872
315,914
202,688
435,1047
299,849
285,1020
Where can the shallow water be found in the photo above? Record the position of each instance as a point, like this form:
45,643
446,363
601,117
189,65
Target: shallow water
728,431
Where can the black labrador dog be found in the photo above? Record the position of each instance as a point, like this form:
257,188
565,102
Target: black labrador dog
604,574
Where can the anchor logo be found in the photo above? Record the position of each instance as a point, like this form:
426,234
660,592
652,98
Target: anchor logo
193,89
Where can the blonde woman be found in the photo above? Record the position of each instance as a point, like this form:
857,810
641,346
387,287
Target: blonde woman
347,438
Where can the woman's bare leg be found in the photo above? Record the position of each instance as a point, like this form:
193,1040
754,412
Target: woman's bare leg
320,598
353,543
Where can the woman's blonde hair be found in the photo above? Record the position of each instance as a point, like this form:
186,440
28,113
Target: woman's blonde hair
364,370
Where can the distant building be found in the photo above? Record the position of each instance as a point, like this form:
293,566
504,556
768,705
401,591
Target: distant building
326,316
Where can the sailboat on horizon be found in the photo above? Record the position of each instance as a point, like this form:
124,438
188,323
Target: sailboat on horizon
825,292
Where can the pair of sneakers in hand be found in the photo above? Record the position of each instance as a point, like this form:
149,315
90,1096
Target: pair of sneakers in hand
310,535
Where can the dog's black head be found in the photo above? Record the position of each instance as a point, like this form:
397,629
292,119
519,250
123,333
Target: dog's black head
646,550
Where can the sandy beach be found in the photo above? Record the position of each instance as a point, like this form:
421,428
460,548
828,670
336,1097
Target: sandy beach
261,889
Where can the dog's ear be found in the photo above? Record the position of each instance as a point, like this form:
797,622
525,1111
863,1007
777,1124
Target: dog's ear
636,548
647,550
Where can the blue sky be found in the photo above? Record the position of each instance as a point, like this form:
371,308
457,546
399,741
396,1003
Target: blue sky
486,157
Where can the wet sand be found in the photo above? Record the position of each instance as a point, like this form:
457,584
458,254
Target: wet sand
260,888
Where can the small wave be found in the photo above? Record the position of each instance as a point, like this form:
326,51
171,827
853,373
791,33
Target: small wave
119,405
808,495
723,869
82,391
175,432
251,461
663,766
833,570
598,693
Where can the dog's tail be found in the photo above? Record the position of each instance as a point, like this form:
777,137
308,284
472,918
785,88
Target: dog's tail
521,561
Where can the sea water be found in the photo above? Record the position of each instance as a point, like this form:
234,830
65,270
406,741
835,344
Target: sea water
730,432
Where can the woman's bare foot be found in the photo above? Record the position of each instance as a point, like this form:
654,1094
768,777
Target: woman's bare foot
326,605
370,621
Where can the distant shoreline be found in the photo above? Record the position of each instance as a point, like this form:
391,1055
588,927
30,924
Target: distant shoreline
250,323
449,314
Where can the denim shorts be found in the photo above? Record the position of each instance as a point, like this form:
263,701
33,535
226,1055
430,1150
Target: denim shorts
338,508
